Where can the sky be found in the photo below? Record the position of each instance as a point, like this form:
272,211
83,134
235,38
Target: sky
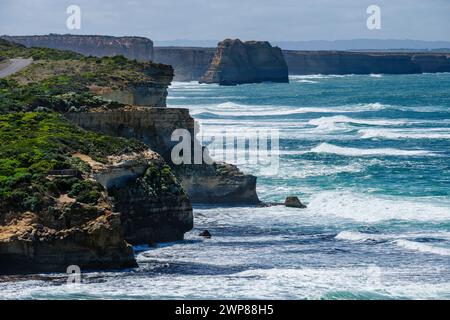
273,20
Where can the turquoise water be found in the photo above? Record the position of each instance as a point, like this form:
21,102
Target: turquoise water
369,155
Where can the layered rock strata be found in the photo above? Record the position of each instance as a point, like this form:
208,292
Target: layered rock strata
336,62
189,64
153,205
188,67
218,183
71,234
134,48
237,62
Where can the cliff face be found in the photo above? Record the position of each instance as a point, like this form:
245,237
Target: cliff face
134,48
140,186
152,204
432,62
218,183
237,62
40,243
115,79
335,62
189,63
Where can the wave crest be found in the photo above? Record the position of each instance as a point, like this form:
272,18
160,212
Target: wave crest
355,152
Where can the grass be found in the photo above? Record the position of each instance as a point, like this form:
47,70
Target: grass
61,82
34,144
36,139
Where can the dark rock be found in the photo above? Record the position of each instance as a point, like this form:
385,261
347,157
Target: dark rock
238,62
205,234
294,202
339,62
192,63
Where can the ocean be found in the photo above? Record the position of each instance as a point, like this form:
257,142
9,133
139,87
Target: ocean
368,154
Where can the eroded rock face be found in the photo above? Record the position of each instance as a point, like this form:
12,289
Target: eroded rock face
189,64
134,48
237,62
89,237
152,204
151,92
216,184
219,183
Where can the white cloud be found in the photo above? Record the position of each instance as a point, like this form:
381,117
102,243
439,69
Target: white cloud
218,19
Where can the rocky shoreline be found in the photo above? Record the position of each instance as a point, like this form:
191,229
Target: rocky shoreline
108,186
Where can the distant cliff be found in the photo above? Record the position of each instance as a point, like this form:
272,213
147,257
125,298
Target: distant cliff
134,48
342,62
189,63
237,62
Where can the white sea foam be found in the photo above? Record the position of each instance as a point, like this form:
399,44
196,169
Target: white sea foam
236,110
395,238
275,283
330,122
422,247
356,152
357,236
320,76
305,81
431,133
371,208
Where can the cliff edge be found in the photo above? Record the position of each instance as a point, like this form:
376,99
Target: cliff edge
133,48
237,62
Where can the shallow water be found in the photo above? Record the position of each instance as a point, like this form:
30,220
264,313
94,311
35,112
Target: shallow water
369,155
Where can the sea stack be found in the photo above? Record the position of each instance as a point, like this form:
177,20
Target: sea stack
237,62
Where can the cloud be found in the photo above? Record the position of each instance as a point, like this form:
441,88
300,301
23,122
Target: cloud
218,19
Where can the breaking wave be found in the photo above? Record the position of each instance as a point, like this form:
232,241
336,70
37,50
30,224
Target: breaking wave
356,152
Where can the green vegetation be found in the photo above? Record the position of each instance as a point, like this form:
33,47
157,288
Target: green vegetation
36,143
63,85
60,93
12,50
157,182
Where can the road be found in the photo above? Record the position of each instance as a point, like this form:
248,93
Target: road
13,66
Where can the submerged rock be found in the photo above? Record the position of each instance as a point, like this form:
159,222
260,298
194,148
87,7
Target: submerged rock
294,202
238,62
205,234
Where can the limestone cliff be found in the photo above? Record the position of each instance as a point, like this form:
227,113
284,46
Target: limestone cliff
115,79
134,48
88,238
152,204
189,64
237,62
218,183
336,62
